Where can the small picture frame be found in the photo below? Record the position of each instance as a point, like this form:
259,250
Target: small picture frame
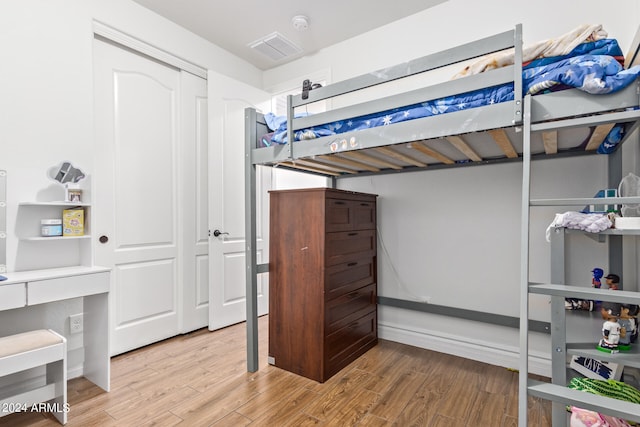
74,195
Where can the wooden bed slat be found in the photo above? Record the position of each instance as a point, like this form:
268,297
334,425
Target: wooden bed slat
633,56
308,168
598,135
370,159
464,148
431,152
550,141
320,165
348,162
388,151
503,141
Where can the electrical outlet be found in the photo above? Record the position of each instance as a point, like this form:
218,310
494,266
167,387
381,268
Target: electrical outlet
76,323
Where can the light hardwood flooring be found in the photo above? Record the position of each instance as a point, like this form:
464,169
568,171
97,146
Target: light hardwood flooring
200,379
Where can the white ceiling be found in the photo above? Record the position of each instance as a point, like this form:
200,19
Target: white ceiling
234,25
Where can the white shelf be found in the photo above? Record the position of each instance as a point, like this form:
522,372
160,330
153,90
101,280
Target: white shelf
581,399
28,229
627,358
607,232
585,201
86,236
61,203
623,297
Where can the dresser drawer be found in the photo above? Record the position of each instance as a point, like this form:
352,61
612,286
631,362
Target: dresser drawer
349,342
350,307
349,276
345,215
349,245
41,291
13,296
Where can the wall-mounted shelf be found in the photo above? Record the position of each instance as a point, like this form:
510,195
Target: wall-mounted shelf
70,249
61,203
34,239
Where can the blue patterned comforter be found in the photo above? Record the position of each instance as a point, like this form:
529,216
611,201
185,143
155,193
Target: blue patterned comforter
592,67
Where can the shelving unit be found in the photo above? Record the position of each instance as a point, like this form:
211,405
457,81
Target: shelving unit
60,268
29,222
78,248
557,391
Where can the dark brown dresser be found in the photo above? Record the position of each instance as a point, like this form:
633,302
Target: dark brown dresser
322,280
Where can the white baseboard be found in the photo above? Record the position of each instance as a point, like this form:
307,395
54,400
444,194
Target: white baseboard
75,372
432,340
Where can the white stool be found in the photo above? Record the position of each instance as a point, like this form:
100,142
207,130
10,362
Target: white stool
29,350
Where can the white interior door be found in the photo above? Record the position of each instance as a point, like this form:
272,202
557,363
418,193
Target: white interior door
195,242
142,197
227,100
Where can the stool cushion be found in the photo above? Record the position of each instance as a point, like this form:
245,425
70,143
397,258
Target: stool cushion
26,341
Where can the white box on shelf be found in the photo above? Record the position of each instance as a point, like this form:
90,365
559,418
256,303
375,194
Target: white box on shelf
627,223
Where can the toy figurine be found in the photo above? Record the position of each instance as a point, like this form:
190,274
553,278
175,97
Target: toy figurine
629,325
613,281
611,330
597,275
588,305
633,312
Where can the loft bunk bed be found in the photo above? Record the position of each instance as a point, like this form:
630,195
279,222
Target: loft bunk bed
447,133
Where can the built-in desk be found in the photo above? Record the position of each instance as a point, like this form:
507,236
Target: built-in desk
28,288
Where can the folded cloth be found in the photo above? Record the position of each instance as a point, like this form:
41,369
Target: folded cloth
543,49
585,418
591,222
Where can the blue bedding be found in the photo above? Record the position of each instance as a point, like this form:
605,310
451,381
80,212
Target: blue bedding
593,67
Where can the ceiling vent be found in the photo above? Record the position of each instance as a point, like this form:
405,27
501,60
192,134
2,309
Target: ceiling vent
275,46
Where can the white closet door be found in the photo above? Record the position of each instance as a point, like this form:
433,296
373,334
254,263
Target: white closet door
227,100
195,219
141,197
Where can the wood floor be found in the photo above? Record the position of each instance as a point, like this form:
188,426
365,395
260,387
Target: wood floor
200,379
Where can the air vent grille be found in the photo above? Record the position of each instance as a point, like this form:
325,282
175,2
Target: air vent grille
275,46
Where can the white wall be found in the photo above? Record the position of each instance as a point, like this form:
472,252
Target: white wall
46,108
452,237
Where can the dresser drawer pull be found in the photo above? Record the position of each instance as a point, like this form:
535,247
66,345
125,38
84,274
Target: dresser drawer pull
351,264
365,204
339,203
352,234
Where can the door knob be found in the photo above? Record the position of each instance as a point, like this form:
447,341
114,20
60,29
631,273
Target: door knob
217,233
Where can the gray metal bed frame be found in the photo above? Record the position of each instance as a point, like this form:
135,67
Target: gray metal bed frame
542,113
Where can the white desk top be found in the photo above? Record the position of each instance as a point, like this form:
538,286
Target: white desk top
51,273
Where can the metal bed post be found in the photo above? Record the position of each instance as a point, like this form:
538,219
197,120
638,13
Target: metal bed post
250,241
290,130
614,176
523,377
517,75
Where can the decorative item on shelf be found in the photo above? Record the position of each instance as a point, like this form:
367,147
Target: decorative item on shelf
613,281
629,324
596,369
73,222
588,305
51,227
69,176
611,329
629,187
73,194
604,208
